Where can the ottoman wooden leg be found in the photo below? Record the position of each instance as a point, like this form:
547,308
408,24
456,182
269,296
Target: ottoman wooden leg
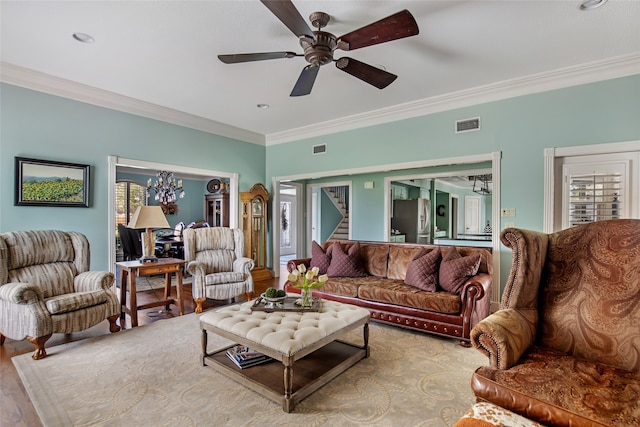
287,405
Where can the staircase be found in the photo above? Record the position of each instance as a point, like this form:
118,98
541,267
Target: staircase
339,197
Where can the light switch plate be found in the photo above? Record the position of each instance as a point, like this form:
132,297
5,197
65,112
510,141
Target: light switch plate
508,212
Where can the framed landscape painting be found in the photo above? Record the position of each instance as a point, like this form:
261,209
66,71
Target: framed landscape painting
49,183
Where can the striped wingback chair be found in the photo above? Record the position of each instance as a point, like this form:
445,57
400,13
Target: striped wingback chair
215,258
46,287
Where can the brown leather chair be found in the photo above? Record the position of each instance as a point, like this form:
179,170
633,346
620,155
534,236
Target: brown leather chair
564,348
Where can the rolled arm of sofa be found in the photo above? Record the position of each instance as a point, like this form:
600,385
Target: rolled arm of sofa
505,335
20,293
93,281
476,297
293,264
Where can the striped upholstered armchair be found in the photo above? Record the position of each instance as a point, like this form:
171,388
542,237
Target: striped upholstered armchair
215,258
46,287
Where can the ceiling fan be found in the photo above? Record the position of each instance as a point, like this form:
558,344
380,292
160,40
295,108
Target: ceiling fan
319,46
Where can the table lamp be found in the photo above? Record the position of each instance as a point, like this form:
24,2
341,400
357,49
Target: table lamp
148,217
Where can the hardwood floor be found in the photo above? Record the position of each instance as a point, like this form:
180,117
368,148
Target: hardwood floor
15,405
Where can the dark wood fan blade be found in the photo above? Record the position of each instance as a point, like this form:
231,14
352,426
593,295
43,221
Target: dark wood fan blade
365,72
305,81
248,57
286,12
396,26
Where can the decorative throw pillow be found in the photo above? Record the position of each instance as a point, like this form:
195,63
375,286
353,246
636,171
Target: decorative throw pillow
422,272
456,269
345,264
320,258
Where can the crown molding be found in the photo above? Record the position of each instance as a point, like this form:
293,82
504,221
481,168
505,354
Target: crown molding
41,82
610,68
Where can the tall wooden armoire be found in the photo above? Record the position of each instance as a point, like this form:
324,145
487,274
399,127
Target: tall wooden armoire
254,227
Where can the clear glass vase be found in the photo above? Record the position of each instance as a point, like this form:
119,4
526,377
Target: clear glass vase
307,298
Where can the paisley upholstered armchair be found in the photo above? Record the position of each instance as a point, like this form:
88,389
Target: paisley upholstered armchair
46,287
564,348
215,258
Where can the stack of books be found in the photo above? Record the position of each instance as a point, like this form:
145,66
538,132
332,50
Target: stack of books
245,357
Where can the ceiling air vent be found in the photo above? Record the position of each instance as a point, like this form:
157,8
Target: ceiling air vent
319,149
468,125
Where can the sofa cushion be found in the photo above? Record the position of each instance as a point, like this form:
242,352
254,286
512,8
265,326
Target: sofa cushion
573,391
423,270
400,256
345,264
319,258
344,286
374,258
398,293
456,269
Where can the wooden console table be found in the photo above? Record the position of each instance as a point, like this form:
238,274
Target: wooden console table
133,269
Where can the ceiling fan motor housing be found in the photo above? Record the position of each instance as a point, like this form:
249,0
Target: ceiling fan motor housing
319,51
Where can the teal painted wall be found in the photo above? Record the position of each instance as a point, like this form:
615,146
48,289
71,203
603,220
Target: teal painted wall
520,128
38,125
42,126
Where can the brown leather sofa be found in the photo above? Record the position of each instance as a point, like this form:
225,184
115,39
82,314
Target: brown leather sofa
384,293
564,349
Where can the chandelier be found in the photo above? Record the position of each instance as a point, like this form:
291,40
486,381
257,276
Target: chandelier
482,184
166,187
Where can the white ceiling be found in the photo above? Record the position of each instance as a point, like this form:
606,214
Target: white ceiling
158,58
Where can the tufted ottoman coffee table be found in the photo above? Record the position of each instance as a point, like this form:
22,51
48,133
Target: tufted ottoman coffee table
308,339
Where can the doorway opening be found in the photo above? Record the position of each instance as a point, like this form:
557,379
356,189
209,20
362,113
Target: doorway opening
288,220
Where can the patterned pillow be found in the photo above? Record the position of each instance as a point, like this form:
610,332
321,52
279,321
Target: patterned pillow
345,264
320,258
422,272
456,269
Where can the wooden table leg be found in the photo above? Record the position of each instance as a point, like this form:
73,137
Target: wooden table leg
179,292
133,303
167,289
123,294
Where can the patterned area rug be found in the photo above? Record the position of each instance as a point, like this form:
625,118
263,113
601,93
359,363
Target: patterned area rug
152,376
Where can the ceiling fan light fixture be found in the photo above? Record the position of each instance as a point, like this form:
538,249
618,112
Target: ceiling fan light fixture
591,4
319,46
83,38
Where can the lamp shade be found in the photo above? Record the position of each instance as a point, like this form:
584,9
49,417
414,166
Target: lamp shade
148,217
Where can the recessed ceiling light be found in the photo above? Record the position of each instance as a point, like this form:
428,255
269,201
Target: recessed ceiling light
263,106
591,4
83,38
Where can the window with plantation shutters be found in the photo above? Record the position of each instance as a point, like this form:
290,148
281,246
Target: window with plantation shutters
595,189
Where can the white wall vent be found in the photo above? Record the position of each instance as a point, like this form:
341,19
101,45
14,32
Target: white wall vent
319,149
467,125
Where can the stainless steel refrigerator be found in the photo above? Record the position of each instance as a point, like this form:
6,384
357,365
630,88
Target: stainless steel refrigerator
413,218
